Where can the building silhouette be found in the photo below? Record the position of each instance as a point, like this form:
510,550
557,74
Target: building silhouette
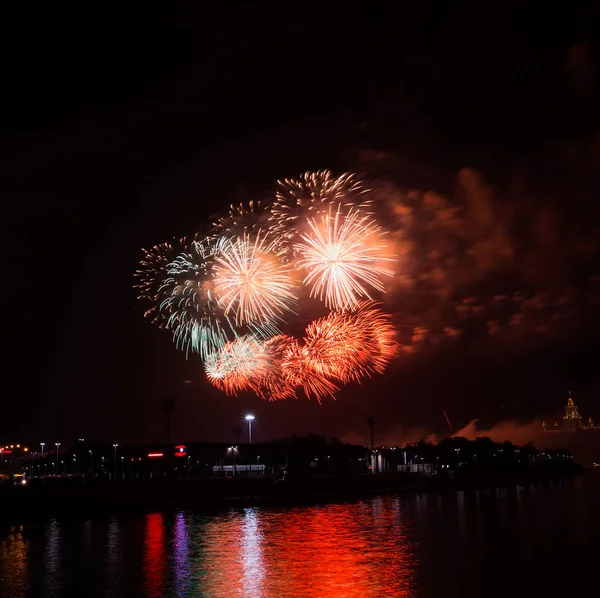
571,421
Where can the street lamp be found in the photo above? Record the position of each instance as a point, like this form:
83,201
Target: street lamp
115,463
233,450
42,444
249,419
57,444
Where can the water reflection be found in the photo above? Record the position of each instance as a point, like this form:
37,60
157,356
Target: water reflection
251,554
359,549
503,542
52,560
181,556
114,557
14,570
154,557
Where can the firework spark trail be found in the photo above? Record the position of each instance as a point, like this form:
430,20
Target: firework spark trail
298,370
241,219
270,384
235,365
224,297
377,327
151,275
312,193
194,315
342,255
338,347
351,345
251,281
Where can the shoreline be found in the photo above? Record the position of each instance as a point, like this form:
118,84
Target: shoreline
19,505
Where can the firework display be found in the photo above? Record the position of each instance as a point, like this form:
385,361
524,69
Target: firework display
251,280
151,276
242,218
297,200
231,296
342,256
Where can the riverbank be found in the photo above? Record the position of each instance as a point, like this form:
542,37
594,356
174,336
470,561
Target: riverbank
57,496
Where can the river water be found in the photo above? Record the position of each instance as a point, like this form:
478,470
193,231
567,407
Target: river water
539,540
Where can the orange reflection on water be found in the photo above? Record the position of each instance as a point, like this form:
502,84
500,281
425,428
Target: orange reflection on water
14,571
342,550
154,555
360,549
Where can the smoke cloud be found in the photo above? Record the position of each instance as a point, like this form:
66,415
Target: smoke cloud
487,266
511,431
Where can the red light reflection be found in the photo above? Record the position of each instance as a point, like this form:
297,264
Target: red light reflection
351,550
154,557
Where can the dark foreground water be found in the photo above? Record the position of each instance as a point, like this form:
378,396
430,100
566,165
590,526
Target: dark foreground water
541,540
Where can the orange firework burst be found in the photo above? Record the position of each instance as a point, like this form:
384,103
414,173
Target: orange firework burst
298,370
343,255
338,347
234,367
251,281
379,334
311,194
270,384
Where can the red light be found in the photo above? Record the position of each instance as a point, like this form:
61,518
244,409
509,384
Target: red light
180,450
155,455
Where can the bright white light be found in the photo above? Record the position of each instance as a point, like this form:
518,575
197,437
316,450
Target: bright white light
249,417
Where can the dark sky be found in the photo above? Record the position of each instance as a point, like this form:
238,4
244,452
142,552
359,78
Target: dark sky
478,130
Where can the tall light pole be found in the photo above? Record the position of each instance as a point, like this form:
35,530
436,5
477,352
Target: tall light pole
42,444
249,419
57,444
115,463
371,423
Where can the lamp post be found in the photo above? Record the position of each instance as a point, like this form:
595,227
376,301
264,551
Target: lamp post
115,463
57,444
249,419
233,450
122,468
42,444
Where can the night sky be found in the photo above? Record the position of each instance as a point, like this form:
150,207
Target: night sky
478,130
